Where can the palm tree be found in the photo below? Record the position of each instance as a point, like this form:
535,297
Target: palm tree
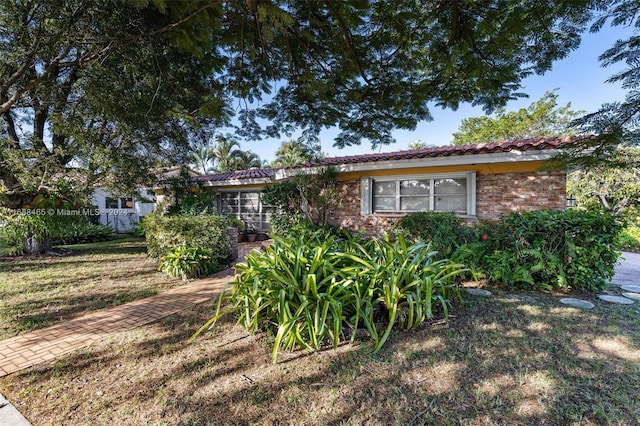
292,153
246,160
417,144
204,158
225,152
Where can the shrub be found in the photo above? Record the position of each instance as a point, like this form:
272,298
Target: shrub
188,262
571,248
82,231
445,231
138,230
630,238
208,232
313,288
22,232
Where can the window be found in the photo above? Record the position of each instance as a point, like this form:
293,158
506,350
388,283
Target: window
246,206
443,193
110,203
126,203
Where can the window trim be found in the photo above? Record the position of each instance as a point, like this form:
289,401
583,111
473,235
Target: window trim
263,214
366,192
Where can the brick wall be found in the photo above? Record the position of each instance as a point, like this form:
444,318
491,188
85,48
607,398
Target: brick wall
509,192
496,194
347,214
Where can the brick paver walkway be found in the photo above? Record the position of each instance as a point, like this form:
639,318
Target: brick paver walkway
46,344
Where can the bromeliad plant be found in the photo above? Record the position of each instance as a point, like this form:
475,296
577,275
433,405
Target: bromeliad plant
314,289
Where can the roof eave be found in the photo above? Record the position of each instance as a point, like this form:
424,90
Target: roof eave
454,160
237,182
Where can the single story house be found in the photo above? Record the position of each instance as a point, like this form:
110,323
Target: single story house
474,181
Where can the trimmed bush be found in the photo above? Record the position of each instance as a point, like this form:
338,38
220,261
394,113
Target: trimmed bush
546,249
444,231
208,232
315,287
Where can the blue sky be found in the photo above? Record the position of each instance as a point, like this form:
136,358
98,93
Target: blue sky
579,79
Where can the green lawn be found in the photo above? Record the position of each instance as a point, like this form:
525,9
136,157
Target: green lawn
508,359
503,360
36,292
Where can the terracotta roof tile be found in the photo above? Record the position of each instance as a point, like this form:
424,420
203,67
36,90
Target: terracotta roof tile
447,151
441,151
239,175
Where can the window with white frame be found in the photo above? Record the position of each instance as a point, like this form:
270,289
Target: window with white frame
404,194
246,206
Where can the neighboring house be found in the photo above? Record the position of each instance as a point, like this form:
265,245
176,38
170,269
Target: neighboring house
122,213
474,181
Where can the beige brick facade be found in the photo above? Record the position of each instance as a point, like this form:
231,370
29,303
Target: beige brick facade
495,194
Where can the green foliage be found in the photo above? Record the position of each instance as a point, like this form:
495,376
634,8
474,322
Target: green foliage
234,222
444,231
293,153
314,288
111,104
82,231
289,224
188,262
189,196
541,119
147,77
208,232
17,227
138,230
546,249
308,196
614,187
630,239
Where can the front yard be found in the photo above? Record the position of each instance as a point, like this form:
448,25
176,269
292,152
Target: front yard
507,359
37,292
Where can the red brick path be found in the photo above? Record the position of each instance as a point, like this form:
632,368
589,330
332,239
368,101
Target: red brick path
46,344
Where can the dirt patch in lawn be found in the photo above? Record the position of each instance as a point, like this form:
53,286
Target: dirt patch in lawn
36,292
501,360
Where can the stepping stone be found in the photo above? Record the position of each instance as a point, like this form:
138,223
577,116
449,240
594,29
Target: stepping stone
631,288
478,292
577,303
635,296
615,299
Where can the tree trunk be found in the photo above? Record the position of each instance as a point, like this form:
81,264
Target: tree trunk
33,245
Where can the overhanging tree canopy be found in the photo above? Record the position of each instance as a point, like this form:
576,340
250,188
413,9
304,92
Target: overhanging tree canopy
115,87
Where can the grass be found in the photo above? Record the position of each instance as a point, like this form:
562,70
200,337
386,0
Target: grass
502,360
630,239
37,292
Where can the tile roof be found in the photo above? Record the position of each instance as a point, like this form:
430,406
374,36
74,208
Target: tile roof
442,151
447,151
238,175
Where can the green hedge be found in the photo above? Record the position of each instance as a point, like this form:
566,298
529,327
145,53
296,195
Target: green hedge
208,232
546,249
444,231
